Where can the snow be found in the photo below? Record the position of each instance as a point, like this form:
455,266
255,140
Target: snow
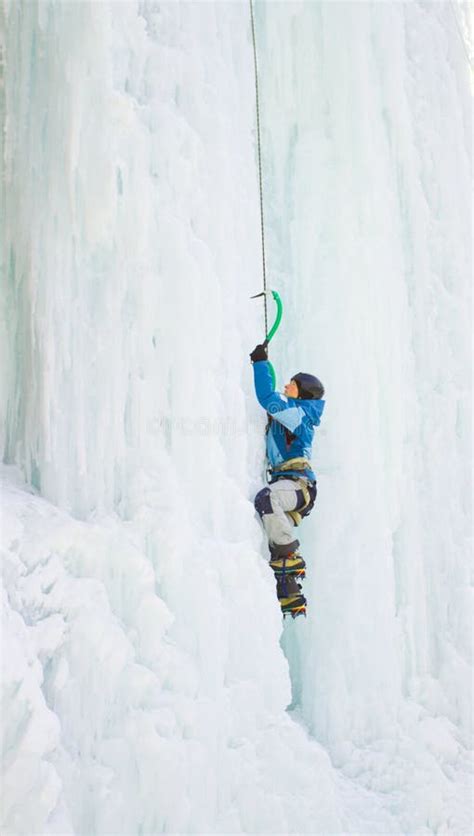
149,684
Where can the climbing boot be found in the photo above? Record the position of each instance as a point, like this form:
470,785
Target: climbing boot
289,596
291,564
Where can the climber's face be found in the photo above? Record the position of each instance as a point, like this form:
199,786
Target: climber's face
291,389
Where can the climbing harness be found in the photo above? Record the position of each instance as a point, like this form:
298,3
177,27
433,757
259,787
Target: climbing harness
298,463
298,515
308,489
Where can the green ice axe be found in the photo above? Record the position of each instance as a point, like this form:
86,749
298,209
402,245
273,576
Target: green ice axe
275,325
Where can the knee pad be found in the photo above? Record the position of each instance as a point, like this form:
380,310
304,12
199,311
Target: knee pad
263,502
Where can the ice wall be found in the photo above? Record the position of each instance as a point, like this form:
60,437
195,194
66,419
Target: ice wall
145,684
371,212
121,122
371,216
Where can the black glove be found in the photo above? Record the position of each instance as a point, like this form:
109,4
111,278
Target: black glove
260,352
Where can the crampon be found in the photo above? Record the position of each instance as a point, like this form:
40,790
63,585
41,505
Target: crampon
293,606
291,601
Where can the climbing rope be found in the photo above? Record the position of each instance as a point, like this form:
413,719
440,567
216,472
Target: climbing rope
260,179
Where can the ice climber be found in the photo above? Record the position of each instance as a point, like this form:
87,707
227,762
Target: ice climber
291,492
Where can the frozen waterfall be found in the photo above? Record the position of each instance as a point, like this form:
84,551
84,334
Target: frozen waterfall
149,684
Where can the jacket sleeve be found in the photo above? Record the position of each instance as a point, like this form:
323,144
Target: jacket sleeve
277,405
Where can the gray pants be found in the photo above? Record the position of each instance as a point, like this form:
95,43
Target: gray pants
272,504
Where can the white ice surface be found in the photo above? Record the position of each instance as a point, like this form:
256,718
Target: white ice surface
145,673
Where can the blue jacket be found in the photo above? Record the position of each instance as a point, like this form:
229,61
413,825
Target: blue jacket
291,430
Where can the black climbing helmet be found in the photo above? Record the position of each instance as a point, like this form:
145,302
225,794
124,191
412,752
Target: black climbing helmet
309,387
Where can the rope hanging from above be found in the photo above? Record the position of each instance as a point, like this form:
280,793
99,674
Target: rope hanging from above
259,149
265,293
